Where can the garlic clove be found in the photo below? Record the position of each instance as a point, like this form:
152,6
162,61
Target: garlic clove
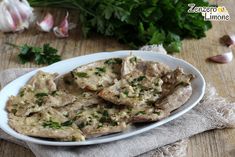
62,30
222,58
227,40
6,22
14,12
46,24
25,10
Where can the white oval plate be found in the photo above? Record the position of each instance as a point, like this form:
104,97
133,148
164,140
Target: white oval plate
62,67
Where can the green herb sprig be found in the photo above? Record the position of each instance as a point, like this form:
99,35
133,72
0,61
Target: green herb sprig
40,55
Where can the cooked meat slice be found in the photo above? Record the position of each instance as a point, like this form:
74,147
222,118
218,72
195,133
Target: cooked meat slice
47,124
156,69
83,100
101,119
30,97
133,89
150,68
95,76
14,101
173,79
129,64
22,108
29,101
175,99
146,113
43,82
154,111
66,83
25,103
58,99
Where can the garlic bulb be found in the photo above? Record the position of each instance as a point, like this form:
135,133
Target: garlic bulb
15,15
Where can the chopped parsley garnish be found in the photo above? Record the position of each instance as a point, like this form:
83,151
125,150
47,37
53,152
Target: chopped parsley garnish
104,119
40,95
98,73
113,61
157,112
129,110
126,92
56,125
133,60
107,119
103,69
141,78
114,123
51,124
21,93
100,70
54,93
81,74
105,113
140,112
67,123
137,80
79,114
39,102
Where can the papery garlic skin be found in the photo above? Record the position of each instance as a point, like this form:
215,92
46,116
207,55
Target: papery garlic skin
228,40
47,23
15,15
156,48
223,58
62,31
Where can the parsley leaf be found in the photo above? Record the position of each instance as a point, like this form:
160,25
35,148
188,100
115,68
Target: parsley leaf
67,123
113,61
51,124
100,70
140,113
40,55
81,74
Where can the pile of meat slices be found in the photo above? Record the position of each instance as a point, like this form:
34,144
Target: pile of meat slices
97,99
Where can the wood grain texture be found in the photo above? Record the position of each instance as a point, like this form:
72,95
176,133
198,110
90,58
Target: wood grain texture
216,143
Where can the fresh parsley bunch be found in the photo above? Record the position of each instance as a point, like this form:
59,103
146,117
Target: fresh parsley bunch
138,22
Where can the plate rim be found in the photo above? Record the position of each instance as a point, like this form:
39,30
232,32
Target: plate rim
105,140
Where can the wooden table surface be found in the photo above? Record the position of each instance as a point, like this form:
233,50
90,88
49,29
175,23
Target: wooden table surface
216,143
